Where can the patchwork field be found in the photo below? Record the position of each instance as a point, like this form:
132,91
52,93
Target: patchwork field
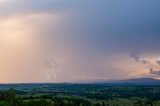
78,95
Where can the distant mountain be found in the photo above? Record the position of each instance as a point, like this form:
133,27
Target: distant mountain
136,81
143,81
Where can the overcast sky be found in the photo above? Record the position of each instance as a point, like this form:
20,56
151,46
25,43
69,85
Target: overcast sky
70,40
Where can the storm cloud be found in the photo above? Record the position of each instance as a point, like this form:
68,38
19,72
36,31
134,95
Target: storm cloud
77,40
153,67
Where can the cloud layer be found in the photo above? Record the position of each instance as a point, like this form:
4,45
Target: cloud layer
83,39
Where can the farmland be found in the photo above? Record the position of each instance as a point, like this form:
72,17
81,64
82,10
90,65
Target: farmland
78,95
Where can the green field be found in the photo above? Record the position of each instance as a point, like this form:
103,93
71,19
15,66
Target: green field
78,95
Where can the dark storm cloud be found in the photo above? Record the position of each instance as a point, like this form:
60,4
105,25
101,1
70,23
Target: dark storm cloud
158,62
90,30
111,26
155,72
153,68
115,25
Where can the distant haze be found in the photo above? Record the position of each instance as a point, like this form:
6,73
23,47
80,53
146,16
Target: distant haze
71,40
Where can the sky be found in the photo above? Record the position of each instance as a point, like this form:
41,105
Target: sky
73,40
